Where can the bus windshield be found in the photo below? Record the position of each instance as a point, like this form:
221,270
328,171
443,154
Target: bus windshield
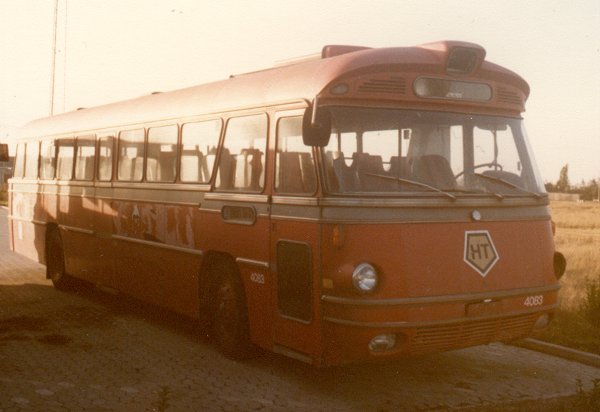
395,152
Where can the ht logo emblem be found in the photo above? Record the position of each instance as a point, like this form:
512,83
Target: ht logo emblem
480,252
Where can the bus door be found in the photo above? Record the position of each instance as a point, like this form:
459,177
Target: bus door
294,244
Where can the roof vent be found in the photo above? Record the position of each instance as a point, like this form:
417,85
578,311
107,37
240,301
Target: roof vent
508,96
337,50
388,84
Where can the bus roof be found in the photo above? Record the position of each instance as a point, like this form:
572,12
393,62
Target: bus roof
302,80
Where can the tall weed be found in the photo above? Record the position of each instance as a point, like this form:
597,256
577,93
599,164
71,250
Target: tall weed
591,305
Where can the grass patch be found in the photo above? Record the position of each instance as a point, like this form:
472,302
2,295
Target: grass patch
577,324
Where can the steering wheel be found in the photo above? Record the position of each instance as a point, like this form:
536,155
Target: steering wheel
494,164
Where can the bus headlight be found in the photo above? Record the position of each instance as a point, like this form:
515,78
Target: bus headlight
364,278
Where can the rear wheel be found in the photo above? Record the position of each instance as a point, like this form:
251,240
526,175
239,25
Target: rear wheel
229,316
55,262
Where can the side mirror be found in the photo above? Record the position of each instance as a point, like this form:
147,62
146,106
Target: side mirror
3,152
316,126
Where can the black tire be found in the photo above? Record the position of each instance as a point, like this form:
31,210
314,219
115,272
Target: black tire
229,316
55,262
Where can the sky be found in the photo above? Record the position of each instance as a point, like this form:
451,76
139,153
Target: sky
110,50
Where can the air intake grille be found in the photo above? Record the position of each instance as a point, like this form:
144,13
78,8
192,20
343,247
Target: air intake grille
391,85
507,96
440,338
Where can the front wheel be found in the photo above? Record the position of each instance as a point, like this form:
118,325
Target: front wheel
55,263
229,316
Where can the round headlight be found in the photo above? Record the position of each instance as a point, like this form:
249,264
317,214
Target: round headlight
364,277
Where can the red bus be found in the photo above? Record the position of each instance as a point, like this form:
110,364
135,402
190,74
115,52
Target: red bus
362,204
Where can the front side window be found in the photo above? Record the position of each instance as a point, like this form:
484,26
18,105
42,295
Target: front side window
131,155
294,163
242,160
84,160
402,151
161,160
64,163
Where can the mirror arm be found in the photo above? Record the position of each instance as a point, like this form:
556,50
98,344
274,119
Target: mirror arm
313,117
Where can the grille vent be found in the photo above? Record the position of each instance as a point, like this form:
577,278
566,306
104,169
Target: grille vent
440,338
507,96
391,85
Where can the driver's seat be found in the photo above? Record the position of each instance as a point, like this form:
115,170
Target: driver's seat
434,170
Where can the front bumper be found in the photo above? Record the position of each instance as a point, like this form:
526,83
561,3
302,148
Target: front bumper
430,324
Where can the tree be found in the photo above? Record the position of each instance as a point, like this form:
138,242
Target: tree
563,185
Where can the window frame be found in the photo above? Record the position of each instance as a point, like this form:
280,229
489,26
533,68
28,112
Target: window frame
92,138
143,156
212,171
99,139
58,142
147,151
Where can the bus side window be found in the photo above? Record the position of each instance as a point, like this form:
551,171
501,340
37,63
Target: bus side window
32,154
47,160
161,159
105,156
131,155
199,143
65,159
84,160
242,162
19,160
294,169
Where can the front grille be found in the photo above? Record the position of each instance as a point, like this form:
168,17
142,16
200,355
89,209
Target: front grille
446,337
391,84
507,96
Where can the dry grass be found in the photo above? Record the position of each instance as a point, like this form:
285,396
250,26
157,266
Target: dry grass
578,238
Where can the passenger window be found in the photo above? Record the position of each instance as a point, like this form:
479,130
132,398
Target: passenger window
199,143
32,154
131,155
294,168
84,161
65,159
20,161
48,159
162,154
105,156
242,161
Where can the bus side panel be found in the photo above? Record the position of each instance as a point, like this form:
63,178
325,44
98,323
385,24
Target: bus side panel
28,233
79,240
144,263
103,222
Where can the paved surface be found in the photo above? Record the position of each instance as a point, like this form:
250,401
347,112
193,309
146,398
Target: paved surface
94,351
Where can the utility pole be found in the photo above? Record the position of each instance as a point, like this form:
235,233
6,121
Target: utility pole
53,68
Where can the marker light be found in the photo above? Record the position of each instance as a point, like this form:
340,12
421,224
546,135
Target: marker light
542,321
364,277
382,343
341,88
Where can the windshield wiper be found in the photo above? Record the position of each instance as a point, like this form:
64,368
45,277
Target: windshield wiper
509,184
414,183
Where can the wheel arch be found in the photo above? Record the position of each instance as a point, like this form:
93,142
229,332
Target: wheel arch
214,264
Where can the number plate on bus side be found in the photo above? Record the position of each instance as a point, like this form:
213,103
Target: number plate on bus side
484,308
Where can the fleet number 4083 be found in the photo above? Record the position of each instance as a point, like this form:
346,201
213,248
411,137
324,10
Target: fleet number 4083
536,300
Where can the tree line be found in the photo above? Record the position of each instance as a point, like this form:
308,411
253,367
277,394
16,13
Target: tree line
585,190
